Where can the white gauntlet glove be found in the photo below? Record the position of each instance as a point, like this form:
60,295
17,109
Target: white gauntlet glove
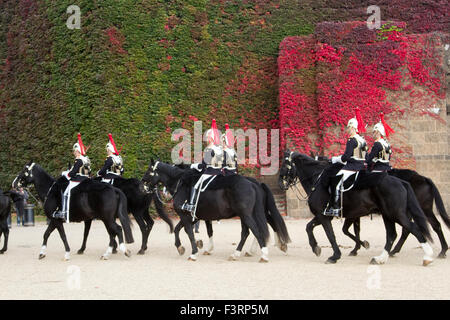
66,174
336,159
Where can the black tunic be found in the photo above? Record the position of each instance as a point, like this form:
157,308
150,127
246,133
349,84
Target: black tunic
374,153
352,164
74,173
103,172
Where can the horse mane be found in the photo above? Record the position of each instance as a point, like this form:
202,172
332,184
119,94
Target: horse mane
309,161
171,170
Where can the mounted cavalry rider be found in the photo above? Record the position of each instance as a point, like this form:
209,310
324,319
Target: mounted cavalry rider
211,167
113,167
229,154
378,158
353,160
79,172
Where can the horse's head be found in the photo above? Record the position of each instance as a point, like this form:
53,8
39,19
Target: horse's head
287,171
151,177
25,177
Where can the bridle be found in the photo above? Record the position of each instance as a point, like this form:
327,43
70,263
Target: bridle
294,179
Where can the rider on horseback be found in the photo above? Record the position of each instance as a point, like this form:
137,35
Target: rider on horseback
211,166
353,160
113,167
229,154
378,158
79,172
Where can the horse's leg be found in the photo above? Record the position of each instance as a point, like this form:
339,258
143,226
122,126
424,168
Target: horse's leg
176,232
5,231
327,226
87,227
188,228
117,230
399,245
251,223
437,228
312,240
112,235
391,234
149,221
62,234
244,234
50,228
356,227
140,221
209,230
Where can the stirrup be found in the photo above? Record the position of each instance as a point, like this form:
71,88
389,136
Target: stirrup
332,212
59,215
187,207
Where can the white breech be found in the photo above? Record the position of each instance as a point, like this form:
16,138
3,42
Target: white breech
72,184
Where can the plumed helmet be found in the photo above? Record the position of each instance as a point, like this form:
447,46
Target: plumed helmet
380,128
77,147
353,123
110,147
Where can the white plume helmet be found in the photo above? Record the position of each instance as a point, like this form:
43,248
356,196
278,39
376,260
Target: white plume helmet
77,147
110,147
353,123
380,128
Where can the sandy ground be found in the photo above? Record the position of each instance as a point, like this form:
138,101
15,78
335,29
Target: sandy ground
162,274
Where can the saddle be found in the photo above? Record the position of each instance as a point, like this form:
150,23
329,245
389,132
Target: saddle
190,177
364,179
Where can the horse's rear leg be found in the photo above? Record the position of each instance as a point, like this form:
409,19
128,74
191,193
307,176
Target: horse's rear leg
209,230
47,233
437,228
188,228
391,234
87,227
356,227
251,223
401,241
122,247
149,221
5,231
327,226
62,234
244,234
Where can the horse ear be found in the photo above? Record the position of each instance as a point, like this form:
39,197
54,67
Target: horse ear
29,163
151,162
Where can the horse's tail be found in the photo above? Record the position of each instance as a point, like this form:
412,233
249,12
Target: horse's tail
277,219
122,213
439,203
260,216
161,212
416,211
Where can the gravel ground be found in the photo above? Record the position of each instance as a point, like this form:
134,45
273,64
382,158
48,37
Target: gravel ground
162,274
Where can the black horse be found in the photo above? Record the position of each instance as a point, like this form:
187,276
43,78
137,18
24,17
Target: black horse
138,202
89,200
241,198
426,193
5,210
392,197
273,217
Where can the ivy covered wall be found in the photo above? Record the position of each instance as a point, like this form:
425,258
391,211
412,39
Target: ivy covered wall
140,69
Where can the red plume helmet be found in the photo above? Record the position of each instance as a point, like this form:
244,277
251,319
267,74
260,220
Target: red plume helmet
229,136
82,147
361,126
387,128
111,140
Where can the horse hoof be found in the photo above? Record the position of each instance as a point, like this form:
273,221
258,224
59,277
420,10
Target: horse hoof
353,254
427,262
181,250
206,253
330,261
374,261
80,251
192,258
128,253
2,251
199,244
104,258
317,251
366,244
284,247
262,260
114,251
442,255
392,254
141,252
248,254
41,256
